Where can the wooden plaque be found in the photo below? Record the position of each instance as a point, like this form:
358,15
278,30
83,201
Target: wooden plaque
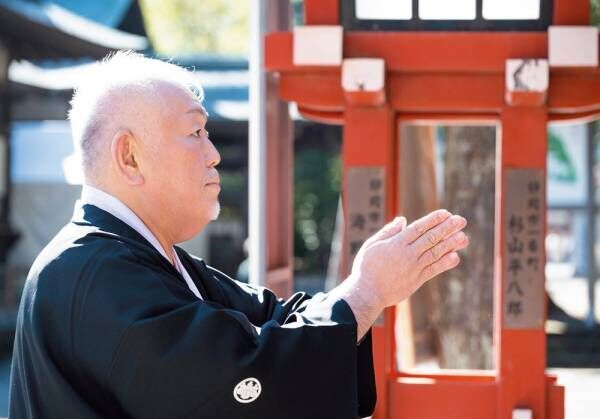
524,256
365,201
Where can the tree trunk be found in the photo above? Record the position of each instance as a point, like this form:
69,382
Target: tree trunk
462,309
415,338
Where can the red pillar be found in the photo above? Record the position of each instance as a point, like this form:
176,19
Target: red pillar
370,141
520,352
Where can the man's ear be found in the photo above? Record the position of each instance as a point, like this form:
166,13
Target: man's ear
123,154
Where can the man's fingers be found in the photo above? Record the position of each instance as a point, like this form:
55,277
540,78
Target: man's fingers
453,243
438,233
390,229
422,225
445,263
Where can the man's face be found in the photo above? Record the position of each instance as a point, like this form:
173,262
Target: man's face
179,166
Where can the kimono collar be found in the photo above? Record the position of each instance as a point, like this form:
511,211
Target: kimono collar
115,207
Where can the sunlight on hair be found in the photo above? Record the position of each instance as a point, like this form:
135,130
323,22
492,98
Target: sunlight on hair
111,82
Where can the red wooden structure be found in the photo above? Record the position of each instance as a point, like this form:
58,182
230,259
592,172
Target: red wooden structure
441,76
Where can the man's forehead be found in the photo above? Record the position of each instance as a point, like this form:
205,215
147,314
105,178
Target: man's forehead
198,109
179,100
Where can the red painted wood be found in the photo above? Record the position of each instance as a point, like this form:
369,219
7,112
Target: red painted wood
571,12
526,98
423,51
520,354
313,90
575,92
447,76
425,398
321,12
369,140
322,117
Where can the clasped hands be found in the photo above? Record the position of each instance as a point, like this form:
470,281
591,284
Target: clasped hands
393,263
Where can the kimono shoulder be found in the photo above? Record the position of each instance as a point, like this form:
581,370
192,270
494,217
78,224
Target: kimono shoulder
108,328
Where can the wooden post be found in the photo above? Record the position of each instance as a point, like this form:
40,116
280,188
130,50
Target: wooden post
7,235
520,254
590,210
4,134
369,140
279,172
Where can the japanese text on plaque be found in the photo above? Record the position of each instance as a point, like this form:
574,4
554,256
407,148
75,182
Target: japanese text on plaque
523,272
366,205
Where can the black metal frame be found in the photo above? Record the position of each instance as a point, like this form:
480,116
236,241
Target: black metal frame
352,23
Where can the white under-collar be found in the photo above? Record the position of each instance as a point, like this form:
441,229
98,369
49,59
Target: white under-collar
114,206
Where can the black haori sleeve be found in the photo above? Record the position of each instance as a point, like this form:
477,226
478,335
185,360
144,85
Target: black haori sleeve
261,305
244,355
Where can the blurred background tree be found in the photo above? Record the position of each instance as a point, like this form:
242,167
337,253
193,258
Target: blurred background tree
317,185
189,26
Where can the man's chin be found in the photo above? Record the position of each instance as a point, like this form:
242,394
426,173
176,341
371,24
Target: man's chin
200,224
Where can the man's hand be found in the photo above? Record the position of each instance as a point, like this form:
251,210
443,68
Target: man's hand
398,259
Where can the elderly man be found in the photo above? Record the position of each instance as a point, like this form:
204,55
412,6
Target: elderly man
117,322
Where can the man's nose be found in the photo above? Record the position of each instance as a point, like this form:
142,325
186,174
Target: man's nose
213,156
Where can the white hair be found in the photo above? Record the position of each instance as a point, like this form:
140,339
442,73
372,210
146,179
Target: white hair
102,102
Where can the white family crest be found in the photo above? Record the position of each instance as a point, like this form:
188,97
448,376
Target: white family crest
247,390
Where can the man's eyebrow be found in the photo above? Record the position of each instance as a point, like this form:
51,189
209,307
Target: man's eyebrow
201,111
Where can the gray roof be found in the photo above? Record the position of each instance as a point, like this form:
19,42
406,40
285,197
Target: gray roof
225,82
43,29
106,12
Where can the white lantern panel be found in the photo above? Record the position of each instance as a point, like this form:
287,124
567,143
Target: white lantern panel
511,9
447,9
383,9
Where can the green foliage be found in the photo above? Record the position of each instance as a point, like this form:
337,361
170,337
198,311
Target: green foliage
316,192
298,12
595,12
232,194
192,26
565,168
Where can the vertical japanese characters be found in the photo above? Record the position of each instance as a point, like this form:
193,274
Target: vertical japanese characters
365,202
523,271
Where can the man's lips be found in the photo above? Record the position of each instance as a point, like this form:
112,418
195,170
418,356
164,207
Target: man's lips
214,179
214,183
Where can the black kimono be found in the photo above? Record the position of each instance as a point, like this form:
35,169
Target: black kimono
107,327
